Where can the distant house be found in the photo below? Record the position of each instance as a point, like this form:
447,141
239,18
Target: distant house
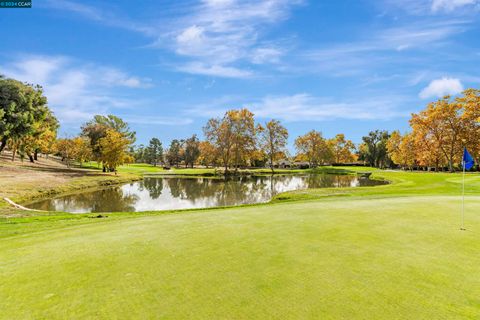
301,164
286,164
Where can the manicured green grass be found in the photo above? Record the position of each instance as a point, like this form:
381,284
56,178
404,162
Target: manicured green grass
362,259
386,252
403,184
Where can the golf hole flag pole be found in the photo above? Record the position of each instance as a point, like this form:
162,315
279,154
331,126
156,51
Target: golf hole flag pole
467,162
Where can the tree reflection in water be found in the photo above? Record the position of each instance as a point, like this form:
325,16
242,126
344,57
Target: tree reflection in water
104,200
178,193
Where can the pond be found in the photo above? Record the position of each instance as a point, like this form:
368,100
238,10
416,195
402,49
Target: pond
166,193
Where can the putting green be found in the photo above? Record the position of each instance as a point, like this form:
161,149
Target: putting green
393,258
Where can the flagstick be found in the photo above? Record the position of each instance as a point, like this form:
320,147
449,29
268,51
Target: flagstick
463,198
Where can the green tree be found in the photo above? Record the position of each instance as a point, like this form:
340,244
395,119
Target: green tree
154,152
174,152
374,149
139,153
192,150
22,106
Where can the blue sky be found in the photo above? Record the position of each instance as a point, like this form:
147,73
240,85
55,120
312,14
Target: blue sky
167,66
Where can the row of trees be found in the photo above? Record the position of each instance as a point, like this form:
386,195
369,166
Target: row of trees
105,139
236,140
28,127
180,151
439,133
436,139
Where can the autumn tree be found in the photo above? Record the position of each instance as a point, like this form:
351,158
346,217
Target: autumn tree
114,149
402,149
442,124
97,128
315,148
208,154
45,133
65,149
343,149
470,102
81,150
46,142
233,136
244,135
273,140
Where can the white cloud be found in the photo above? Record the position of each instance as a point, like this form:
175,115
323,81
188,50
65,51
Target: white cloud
426,7
215,70
383,48
221,33
215,33
266,55
114,77
451,5
75,90
96,13
306,107
190,34
442,87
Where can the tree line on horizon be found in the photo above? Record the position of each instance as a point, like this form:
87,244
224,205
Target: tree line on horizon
438,134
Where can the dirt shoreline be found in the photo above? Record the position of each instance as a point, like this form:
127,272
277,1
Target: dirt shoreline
23,182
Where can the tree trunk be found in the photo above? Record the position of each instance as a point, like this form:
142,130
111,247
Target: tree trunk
31,158
104,169
35,155
14,151
4,143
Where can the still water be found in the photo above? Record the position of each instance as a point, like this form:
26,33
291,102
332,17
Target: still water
164,193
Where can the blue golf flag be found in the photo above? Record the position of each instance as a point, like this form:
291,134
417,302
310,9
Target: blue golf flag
467,160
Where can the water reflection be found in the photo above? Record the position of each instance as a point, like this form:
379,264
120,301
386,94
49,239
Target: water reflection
181,193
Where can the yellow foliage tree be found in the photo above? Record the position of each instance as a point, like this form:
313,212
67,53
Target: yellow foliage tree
114,149
343,149
402,150
315,148
208,154
82,150
233,136
442,125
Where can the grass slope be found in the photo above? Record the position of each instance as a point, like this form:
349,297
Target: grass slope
375,259
388,252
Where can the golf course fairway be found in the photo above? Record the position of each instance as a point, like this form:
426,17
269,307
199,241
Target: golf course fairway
338,258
